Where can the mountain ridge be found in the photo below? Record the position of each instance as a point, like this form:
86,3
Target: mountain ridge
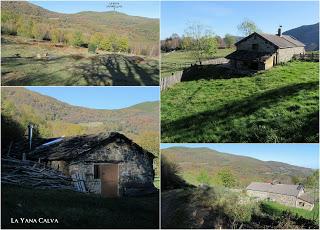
246,169
307,34
136,28
21,106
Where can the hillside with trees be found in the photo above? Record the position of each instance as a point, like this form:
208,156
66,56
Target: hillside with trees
223,205
53,118
110,31
207,166
41,47
308,34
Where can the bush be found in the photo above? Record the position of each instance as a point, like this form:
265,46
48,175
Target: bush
96,39
77,39
57,36
9,28
106,44
92,48
170,178
24,27
40,31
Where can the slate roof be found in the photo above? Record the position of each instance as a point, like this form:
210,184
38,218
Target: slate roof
74,147
283,41
284,189
246,55
307,197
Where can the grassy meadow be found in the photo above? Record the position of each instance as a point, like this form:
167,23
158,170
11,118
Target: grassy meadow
274,208
66,65
177,60
278,105
77,210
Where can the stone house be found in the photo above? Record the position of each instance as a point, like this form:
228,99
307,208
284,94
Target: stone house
289,195
110,164
260,51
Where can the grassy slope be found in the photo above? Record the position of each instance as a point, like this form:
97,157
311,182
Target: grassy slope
274,208
176,61
279,105
76,210
71,66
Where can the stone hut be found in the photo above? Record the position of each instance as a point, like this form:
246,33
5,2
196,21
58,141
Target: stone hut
108,164
260,51
289,195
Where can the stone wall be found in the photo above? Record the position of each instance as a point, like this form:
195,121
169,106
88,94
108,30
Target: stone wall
264,46
285,55
136,172
305,205
282,199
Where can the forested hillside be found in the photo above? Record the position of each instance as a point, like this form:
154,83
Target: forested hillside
198,164
54,118
308,34
110,31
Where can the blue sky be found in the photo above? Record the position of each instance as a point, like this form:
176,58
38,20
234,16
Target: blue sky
306,155
150,9
101,97
223,17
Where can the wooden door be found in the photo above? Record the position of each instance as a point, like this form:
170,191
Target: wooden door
109,175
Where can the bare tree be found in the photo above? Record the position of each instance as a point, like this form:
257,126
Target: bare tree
247,27
201,41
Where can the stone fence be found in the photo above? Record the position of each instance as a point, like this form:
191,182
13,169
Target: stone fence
167,82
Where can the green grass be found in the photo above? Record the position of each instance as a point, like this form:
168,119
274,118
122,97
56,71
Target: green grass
77,210
176,61
276,209
71,66
278,105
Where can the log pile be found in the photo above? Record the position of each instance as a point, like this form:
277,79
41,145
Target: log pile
33,174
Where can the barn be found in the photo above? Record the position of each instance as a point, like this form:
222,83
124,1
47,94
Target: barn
108,164
260,51
289,195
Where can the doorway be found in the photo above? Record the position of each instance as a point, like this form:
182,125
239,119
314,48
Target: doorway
109,176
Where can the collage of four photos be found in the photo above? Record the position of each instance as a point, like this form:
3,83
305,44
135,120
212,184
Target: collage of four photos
159,114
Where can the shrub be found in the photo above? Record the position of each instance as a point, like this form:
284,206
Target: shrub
24,27
170,175
96,39
57,35
203,177
106,44
9,27
92,48
77,39
40,31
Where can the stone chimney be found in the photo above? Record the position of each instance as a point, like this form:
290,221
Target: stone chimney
279,31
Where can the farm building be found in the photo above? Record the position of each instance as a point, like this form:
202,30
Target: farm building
290,195
109,164
260,51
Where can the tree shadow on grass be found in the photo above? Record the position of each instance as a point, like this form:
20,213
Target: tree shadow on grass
101,70
116,70
19,77
197,126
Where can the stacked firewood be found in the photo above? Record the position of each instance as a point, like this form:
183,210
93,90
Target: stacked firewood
33,174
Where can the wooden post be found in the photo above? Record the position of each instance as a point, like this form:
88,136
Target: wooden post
9,150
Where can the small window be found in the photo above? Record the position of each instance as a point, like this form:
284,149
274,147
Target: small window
301,204
96,172
255,46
